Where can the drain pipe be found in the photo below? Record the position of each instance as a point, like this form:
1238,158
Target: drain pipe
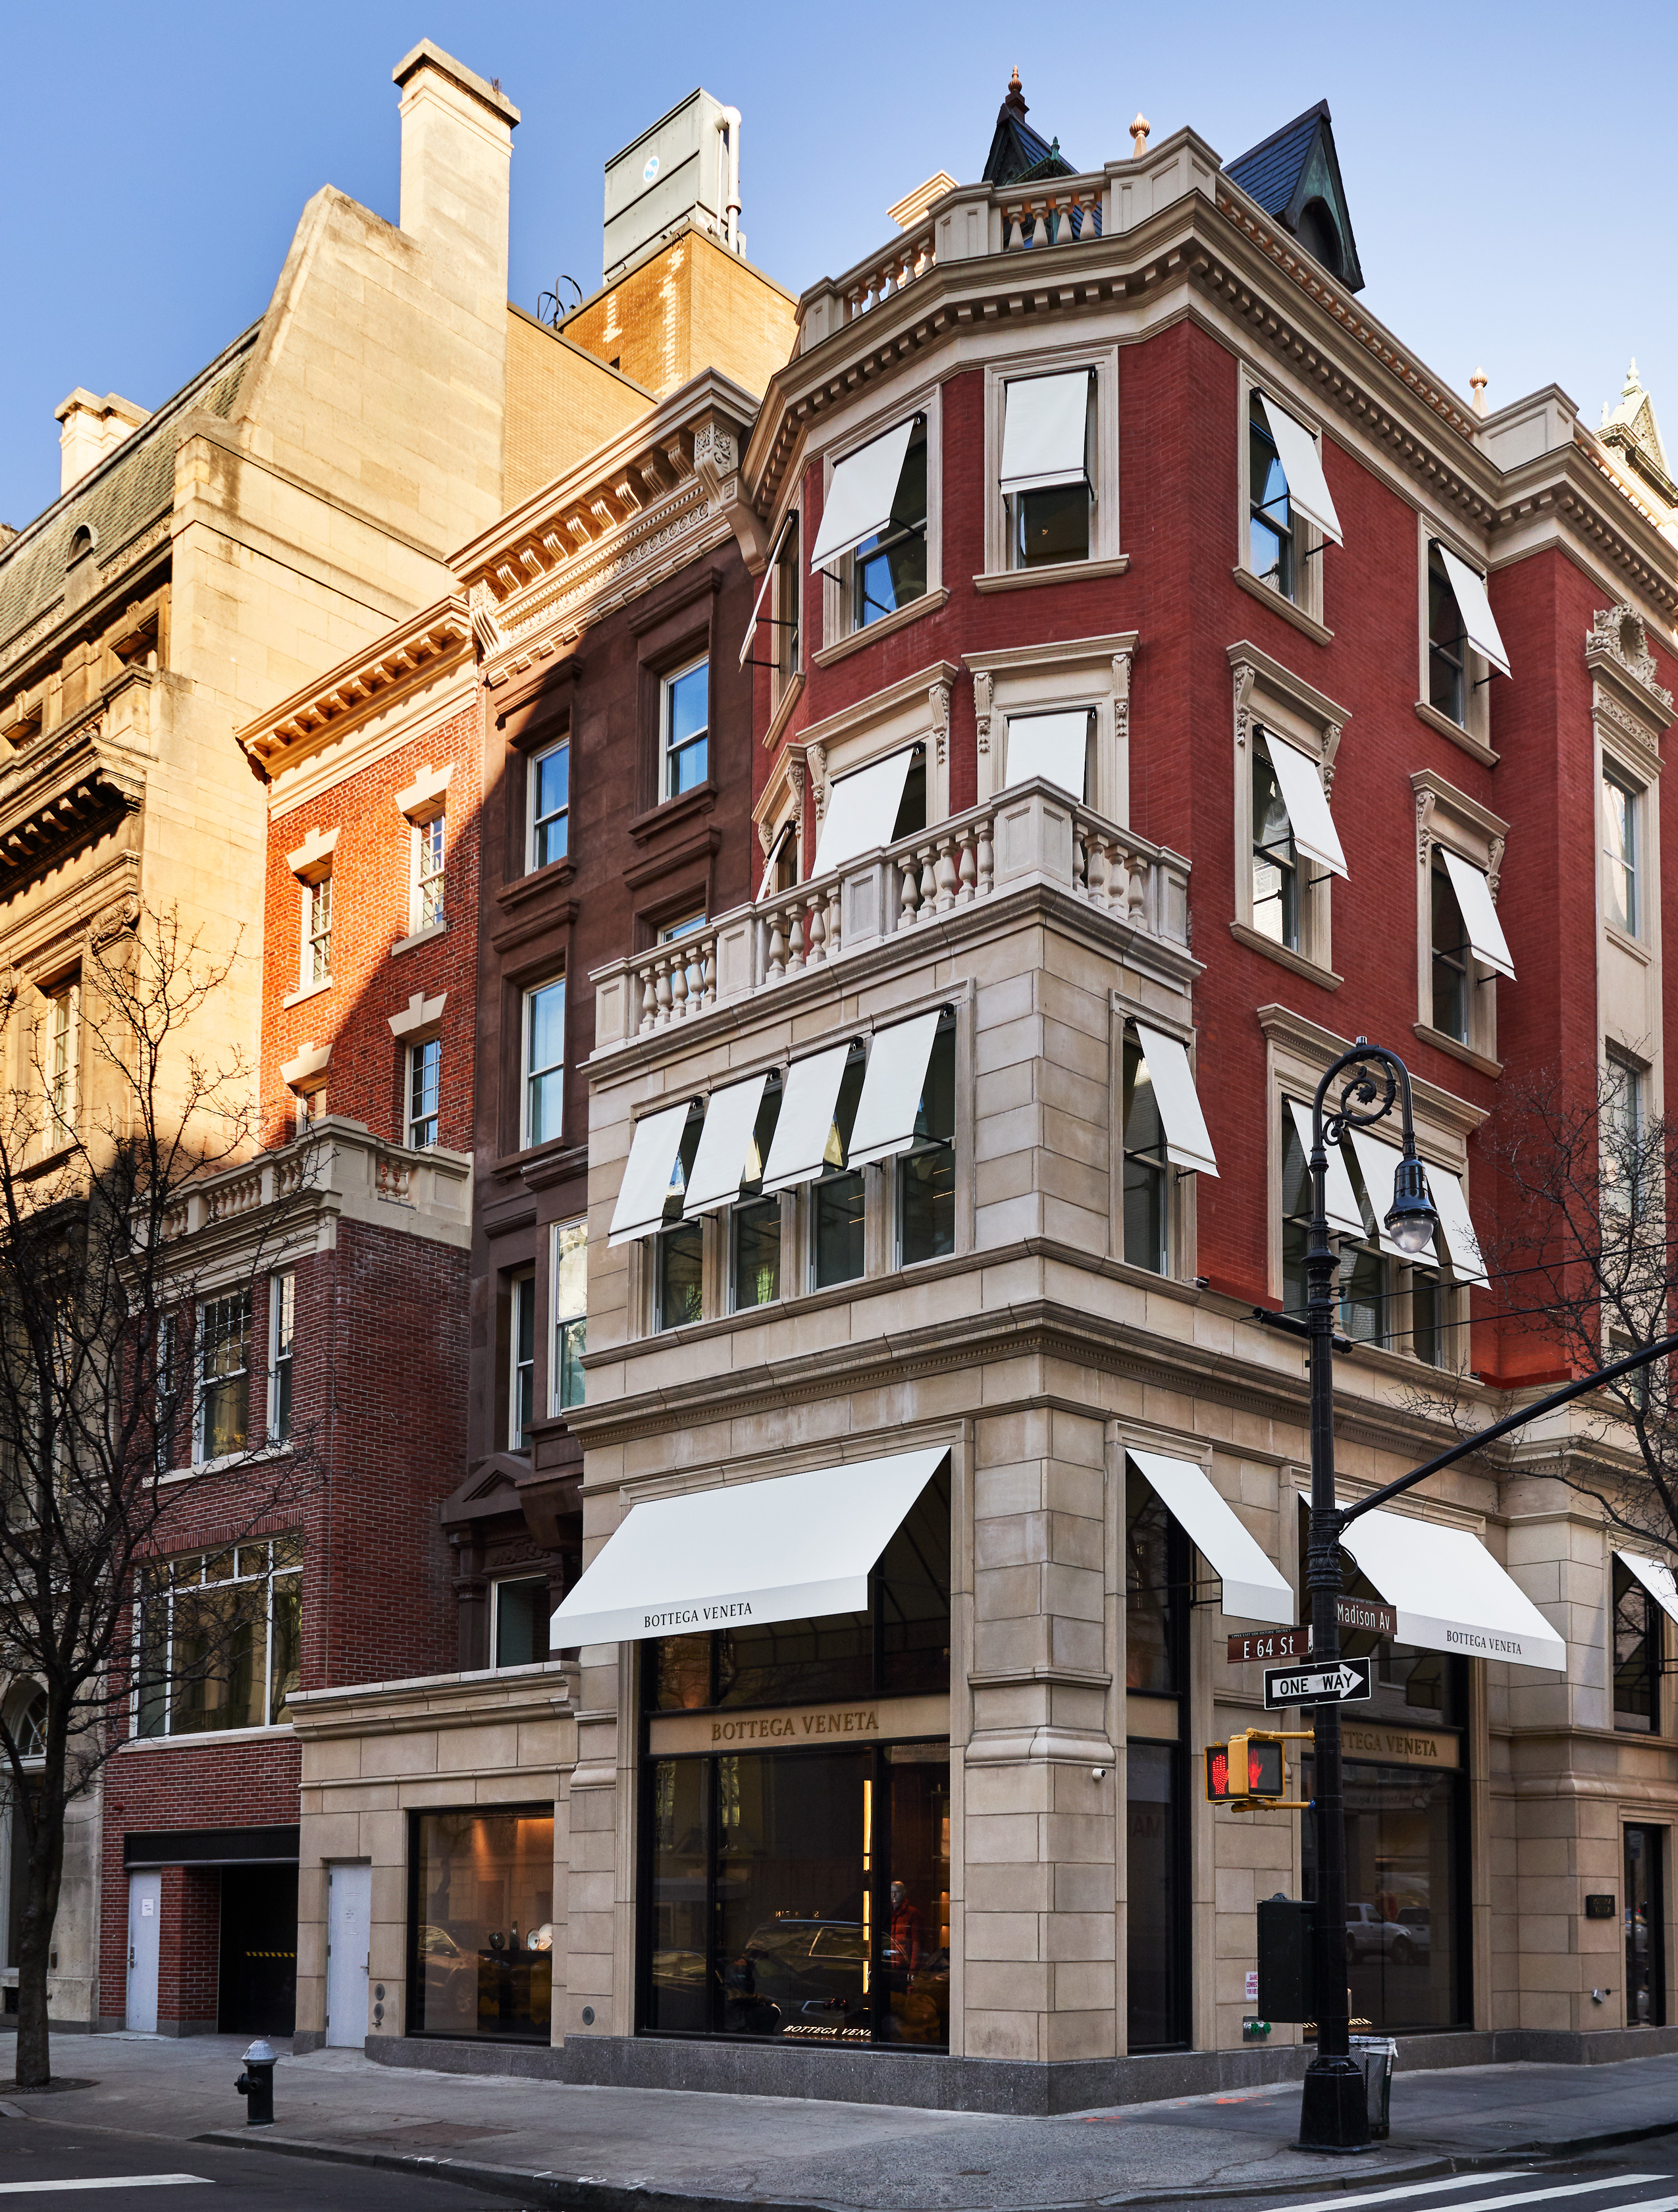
729,124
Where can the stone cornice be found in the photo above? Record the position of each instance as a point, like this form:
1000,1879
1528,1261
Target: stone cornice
543,1692
370,682
1311,1042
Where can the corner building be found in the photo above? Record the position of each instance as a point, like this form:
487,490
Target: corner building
1163,678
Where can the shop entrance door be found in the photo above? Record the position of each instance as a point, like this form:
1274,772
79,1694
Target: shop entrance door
258,1977
145,1904
349,1934
1645,1929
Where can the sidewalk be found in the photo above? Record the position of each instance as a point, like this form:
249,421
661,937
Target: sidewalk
550,2143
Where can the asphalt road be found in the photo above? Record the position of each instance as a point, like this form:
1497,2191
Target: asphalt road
1642,2180
44,2163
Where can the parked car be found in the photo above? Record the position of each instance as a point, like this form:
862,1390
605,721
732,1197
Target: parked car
1368,1936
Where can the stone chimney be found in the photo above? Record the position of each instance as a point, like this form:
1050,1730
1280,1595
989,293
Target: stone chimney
91,427
457,147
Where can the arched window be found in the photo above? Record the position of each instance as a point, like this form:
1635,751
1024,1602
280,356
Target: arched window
27,1722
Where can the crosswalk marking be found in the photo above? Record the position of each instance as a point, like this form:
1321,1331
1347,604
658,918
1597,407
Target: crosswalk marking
1486,2203
105,2181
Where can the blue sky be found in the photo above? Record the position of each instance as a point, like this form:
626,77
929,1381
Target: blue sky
1509,178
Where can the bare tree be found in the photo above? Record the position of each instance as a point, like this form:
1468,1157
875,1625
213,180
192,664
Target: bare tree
103,1377
1581,1258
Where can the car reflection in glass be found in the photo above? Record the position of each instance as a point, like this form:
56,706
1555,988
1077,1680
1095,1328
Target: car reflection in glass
451,1978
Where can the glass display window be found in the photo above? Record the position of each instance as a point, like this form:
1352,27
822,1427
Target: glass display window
480,1925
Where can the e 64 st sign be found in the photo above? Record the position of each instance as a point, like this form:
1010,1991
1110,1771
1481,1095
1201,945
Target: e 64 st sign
1322,1682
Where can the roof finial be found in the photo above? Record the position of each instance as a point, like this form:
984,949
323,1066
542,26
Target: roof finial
1016,99
1139,135
1480,380
1633,382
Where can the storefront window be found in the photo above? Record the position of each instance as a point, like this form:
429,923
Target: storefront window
1645,1929
1155,1590
801,1896
1155,1977
480,1925
1637,1653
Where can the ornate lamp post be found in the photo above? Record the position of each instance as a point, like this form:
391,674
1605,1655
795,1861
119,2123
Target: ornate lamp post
1333,2113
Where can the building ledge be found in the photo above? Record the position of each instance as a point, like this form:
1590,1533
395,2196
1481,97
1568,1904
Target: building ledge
1427,712
1308,625
929,602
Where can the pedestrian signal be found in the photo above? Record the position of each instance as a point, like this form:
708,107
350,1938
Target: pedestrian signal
1249,1770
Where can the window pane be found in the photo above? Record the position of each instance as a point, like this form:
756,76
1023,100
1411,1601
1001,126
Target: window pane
545,1054
915,1957
524,1362
570,1271
521,1622
551,800
285,1668
547,1026
1403,1879
679,1987
838,1202
681,1275
572,1343
1275,861
1636,1652
1426,1317
1446,688
224,1357
1150,1640
1147,1175
792,1836
690,703
1154,1859
757,1253
912,1596
1619,851
482,1942
927,1174
1451,978
1051,525
1270,542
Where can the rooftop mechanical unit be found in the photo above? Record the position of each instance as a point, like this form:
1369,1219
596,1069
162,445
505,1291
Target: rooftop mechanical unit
686,169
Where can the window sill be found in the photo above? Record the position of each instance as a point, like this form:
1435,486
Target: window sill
419,937
700,799
308,991
265,1732
783,713
929,602
1052,572
1456,733
550,877
1465,1053
59,1158
1631,946
1257,941
1308,624
256,1456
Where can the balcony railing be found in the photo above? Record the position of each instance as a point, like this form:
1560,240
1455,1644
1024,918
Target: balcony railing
1031,834
339,1166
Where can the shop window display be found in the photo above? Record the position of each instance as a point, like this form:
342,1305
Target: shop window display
480,1925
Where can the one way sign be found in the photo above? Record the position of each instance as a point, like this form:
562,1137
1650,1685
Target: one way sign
1342,1683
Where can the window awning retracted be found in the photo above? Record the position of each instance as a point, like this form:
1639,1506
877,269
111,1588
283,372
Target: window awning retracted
725,1144
892,1091
862,495
1044,434
798,1146
1478,624
790,1547
783,837
1657,1579
787,522
1457,1229
1344,1212
648,1174
1449,1592
1302,464
1188,1143
1254,1589
1055,746
1377,1163
1479,917
862,810
1307,803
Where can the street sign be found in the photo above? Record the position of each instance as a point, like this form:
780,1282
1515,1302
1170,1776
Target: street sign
1272,1644
1365,1613
1342,1681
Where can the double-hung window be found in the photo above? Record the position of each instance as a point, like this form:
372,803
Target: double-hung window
836,1195
427,849
872,537
754,1220
318,932
889,569
521,1362
1147,1172
425,1075
1621,1138
282,1334
1453,972
224,1376
1275,861
60,1052
684,717
1447,647
1461,633
519,1621
568,1300
788,604
1048,427
1272,552
549,785
219,1636
926,1172
1621,837
544,1053
678,1288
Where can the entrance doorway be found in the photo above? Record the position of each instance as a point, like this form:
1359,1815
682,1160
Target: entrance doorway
348,1935
145,1906
258,1977
1645,1929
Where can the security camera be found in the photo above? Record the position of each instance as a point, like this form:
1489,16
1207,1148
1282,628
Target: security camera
1098,1774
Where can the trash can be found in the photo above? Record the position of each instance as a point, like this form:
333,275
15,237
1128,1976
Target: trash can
1376,2054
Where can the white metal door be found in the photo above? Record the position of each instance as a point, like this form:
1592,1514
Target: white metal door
348,1939
145,1904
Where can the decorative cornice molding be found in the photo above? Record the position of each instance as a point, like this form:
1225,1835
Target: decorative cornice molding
415,652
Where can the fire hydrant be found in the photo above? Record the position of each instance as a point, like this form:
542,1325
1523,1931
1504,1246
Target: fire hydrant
256,2085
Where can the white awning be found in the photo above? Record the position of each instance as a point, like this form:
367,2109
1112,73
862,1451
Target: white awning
1656,1577
1377,1163
1344,1212
892,1091
1306,801
1480,916
1301,457
724,1144
1456,1230
646,1174
1187,1143
793,1547
805,1120
1478,625
1253,1588
860,495
787,522
1052,745
787,831
1450,1592
1044,431
862,810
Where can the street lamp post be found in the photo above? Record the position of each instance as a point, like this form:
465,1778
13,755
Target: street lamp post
1334,2112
